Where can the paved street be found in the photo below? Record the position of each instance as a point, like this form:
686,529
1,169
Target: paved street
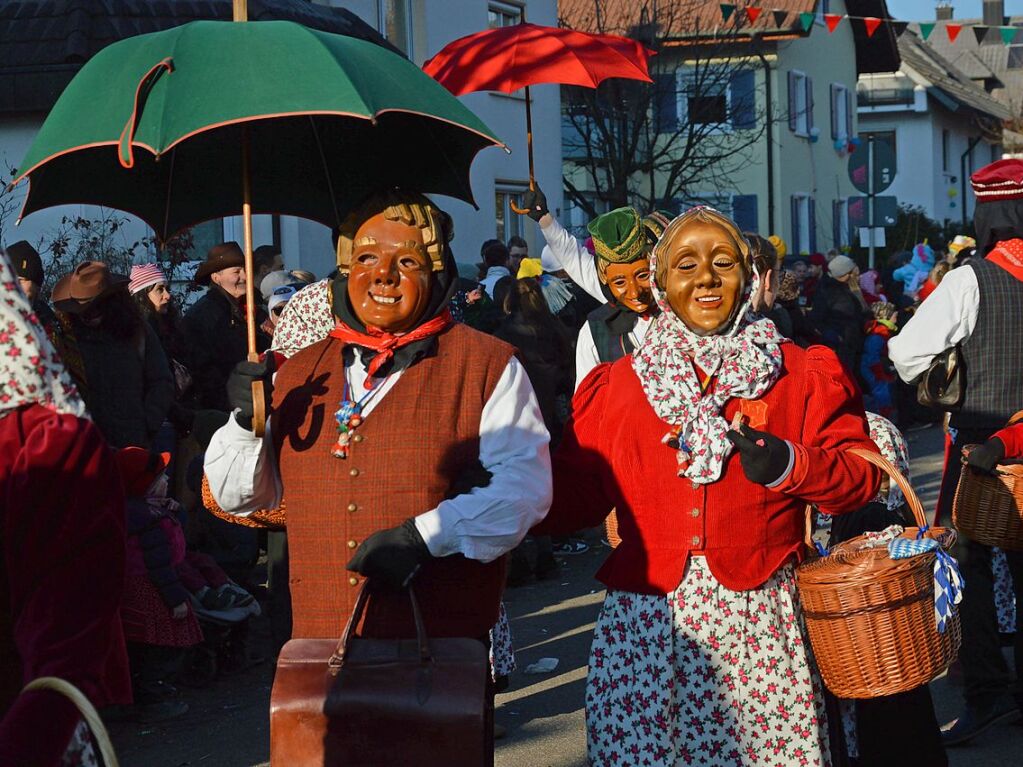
543,713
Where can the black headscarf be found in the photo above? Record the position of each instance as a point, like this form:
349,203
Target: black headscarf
443,287
997,221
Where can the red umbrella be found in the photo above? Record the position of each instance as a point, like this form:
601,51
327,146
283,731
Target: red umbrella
508,58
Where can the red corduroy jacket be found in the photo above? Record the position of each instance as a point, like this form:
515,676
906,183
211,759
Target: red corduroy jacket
612,457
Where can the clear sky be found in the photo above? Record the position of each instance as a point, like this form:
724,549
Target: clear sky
915,10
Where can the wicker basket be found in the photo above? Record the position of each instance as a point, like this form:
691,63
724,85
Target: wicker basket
870,617
989,508
611,528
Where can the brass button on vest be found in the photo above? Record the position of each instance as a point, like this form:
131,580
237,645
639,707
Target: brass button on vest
696,540
352,507
695,512
352,544
354,472
353,581
358,438
695,485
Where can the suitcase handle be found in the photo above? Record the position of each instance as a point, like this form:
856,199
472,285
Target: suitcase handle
337,660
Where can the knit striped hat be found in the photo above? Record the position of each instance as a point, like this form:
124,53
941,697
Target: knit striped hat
1001,180
144,276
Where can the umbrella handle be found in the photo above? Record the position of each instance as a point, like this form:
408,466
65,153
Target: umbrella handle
258,408
529,150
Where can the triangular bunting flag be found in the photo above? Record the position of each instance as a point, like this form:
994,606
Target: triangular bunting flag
780,17
871,23
980,33
926,27
753,13
953,31
898,27
806,19
727,9
832,19
1008,34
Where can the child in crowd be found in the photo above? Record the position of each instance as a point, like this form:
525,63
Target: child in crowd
875,367
159,623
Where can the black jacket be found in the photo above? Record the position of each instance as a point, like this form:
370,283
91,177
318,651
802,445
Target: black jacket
839,317
215,331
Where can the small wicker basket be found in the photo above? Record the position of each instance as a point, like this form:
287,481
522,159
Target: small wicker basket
870,617
988,508
611,529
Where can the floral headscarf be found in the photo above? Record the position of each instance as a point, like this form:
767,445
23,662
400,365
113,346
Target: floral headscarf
745,361
892,446
30,369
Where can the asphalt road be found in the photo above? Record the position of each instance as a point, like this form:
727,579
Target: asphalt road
227,726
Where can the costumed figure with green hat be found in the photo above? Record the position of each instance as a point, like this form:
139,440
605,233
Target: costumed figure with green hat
409,442
709,441
616,273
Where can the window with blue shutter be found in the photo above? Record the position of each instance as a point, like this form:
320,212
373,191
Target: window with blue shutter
665,103
742,95
744,211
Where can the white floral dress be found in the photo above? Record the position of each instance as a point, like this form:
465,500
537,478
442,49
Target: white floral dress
705,676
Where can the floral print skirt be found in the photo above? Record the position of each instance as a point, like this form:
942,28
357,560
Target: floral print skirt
705,676
1005,595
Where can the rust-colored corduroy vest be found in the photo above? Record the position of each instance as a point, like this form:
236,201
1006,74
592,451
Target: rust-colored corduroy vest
405,457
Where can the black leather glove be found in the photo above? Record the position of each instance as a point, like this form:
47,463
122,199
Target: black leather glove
536,202
391,556
986,457
239,387
764,457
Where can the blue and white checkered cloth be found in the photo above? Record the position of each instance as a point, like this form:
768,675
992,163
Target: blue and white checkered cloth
948,583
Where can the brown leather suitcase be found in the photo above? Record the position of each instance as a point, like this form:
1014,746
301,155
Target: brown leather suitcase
380,702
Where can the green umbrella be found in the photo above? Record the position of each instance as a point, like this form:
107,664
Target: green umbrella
213,119
157,125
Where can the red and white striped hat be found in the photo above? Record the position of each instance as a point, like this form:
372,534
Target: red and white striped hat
1001,180
145,276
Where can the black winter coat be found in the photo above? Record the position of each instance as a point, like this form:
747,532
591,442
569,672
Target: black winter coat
215,331
840,318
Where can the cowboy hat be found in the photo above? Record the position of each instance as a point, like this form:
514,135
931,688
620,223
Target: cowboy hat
223,256
90,280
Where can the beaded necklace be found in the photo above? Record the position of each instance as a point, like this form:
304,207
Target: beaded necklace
349,415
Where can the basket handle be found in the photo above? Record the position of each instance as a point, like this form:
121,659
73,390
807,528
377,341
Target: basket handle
888,468
85,708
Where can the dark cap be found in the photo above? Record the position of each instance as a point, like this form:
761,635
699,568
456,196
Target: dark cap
26,262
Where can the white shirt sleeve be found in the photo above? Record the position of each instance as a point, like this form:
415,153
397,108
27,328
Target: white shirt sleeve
586,357
566,252
492,520
947,317
242,469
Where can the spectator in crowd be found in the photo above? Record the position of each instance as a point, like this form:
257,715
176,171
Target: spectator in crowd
497,263
266,259
876,369
839,311
148,285
116,358
31,275
914,272
158,619
518,250
297,278
215,326
871,288
817,265
768,266
277,302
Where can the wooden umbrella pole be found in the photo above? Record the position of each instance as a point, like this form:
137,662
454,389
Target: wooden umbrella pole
258,399
241,10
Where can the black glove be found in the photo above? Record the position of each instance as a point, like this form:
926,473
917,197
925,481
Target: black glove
986,457
391,556
239,387
764,457
536,202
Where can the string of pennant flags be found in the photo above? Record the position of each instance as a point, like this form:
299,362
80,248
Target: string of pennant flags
783,20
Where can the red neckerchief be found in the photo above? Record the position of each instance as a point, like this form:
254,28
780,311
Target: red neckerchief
384,344
1008,254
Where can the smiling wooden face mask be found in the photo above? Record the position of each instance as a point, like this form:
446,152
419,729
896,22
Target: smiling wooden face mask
702,267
